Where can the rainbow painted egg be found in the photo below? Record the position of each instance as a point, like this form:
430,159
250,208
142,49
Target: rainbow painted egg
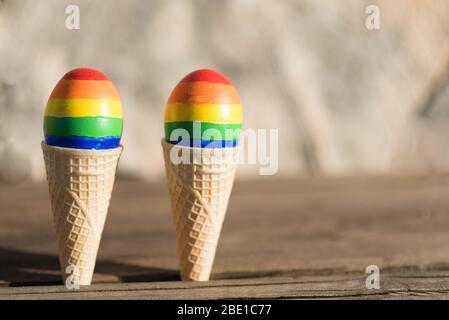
84,112
203,111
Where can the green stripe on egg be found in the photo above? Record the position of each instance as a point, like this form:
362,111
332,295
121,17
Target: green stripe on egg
94,127
227,131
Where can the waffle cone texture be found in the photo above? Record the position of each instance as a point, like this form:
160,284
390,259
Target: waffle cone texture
199,194
80,183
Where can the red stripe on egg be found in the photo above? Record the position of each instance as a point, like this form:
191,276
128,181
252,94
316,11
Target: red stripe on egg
206,75
85,74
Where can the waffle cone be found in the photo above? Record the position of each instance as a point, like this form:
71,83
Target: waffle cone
199,193
80,183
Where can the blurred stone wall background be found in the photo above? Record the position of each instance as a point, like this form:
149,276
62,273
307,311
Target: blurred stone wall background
346,100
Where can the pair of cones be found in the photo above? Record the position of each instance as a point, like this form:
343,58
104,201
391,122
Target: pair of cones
80,185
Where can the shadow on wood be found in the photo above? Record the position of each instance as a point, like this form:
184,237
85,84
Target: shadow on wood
20,268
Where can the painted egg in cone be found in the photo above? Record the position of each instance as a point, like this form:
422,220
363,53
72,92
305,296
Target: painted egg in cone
84,112
204,111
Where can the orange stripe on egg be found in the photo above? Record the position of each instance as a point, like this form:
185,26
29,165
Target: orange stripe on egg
84,89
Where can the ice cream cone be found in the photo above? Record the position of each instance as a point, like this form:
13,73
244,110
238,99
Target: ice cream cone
80,185
199,194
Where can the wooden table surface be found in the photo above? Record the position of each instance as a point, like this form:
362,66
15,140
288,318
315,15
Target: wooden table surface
307,238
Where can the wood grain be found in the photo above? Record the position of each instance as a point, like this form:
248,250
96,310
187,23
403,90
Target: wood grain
308,238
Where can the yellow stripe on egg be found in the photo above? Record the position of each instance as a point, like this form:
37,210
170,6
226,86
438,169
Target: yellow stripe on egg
206,112
84,108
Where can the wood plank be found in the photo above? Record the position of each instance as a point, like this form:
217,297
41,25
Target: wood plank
306,238
394,285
